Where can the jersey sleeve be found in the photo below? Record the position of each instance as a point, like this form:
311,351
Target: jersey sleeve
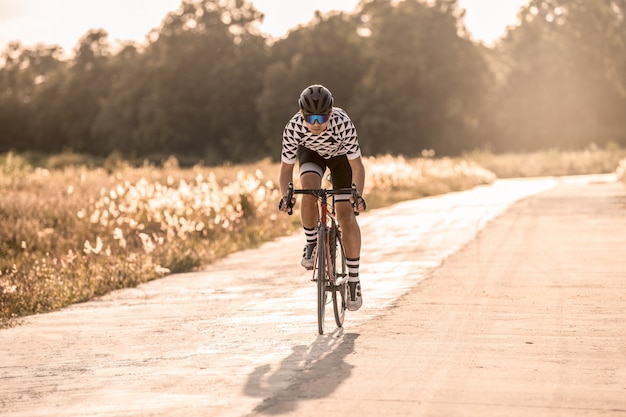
289,149
350,139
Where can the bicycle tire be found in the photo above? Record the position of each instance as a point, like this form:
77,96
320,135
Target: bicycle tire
321,278
340,274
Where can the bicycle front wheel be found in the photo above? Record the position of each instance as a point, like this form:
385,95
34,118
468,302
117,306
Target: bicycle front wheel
340,274
321,278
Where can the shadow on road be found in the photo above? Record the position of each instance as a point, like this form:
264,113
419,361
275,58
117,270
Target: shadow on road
309,372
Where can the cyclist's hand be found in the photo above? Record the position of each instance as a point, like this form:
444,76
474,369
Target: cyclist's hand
359,205
283,206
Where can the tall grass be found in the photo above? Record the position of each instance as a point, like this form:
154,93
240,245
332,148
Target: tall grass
549,163
69,233
621,170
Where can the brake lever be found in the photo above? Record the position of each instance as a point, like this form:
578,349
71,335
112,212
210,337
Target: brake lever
355,198
289,199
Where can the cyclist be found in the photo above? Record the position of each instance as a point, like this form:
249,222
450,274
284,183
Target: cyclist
321,136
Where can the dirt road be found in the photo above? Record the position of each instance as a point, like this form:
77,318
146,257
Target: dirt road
524,317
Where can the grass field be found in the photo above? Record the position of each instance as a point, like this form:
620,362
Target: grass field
71,230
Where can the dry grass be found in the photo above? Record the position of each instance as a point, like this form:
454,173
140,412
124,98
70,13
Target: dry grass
72,234
549,163
621,170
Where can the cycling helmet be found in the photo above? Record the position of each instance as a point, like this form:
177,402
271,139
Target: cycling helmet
316,99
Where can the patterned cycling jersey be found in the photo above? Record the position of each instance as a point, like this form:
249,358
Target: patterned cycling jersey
339,138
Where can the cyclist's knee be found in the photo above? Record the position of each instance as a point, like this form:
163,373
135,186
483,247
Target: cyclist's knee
345,213
309,202
310,180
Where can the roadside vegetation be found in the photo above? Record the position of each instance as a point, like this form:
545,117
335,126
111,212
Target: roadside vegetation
621,171
72,228
550,162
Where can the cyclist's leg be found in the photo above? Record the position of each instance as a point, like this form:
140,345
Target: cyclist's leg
351,230
341,174
312,167
311,172
342,178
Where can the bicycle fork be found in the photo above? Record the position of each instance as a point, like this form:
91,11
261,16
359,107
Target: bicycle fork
333,282
322,242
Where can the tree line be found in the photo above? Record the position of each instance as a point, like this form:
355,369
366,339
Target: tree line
208,85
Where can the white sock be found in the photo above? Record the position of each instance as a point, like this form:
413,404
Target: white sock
353,269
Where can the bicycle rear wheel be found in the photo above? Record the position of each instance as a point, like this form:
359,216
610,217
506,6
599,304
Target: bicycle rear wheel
321,278
340,274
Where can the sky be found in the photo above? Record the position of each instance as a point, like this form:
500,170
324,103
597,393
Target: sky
64,22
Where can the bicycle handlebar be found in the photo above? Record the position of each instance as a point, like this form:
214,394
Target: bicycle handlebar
320,193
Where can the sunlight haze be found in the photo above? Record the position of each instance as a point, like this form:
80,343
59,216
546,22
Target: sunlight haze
64,22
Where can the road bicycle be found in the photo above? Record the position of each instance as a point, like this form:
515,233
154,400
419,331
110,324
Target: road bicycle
329,271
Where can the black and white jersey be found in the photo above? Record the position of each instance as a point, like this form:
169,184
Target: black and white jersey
339,138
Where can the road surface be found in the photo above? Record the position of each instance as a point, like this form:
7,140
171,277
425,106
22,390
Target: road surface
505,300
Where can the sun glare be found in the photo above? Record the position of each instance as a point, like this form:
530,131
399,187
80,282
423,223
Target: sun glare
64,23
487,20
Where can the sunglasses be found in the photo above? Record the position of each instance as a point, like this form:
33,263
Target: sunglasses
319,118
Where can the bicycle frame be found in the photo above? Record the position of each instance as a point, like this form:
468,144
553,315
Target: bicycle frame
324,216
325,271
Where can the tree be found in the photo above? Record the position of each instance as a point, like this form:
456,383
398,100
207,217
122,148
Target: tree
565,87
426,81
192,91
65,109
23,75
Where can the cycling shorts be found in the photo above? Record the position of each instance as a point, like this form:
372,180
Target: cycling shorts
340,170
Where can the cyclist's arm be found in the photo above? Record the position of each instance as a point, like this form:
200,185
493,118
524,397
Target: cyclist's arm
358,173
284,178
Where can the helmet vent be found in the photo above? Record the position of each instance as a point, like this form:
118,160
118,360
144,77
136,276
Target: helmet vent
316,99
